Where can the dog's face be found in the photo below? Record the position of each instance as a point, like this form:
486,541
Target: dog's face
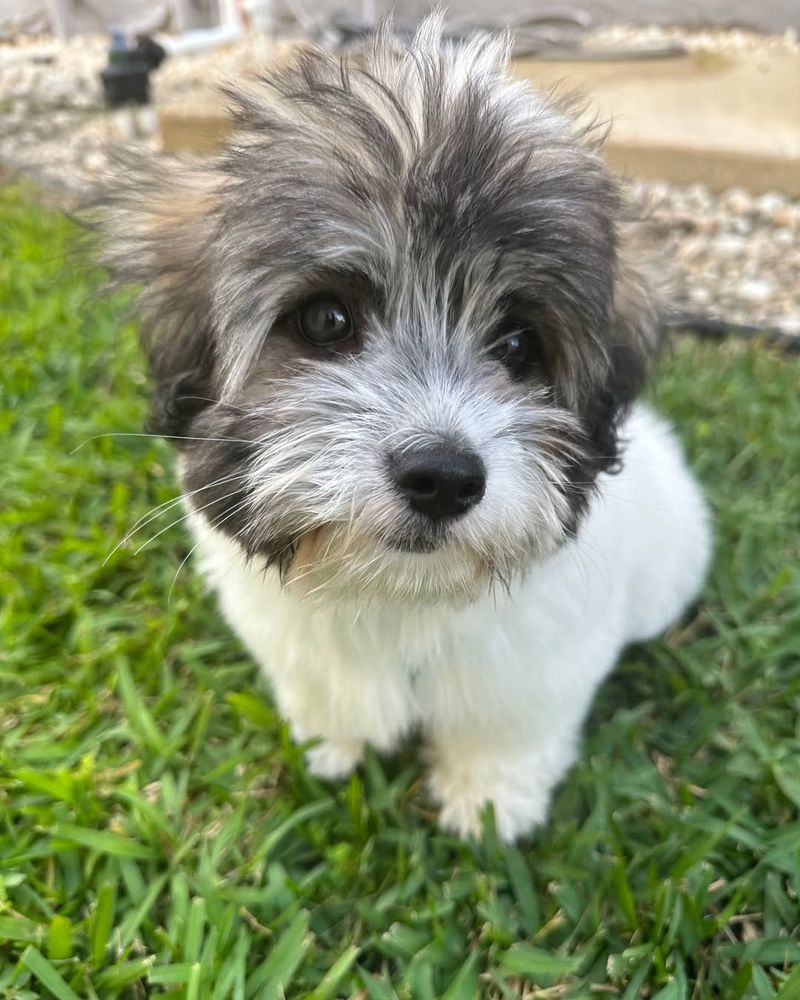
391,325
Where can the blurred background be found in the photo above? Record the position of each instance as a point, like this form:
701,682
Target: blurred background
704,97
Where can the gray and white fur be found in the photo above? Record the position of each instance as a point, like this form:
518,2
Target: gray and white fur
387,491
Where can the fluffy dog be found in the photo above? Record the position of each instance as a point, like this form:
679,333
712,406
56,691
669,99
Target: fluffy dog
396,330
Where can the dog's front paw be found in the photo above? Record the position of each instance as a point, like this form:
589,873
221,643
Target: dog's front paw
464,788
334,759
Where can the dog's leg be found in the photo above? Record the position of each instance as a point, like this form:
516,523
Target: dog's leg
313,712
335,759
328,684
344,706
508,735
470,770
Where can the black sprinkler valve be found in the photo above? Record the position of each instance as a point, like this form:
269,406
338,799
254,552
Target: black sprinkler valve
126,79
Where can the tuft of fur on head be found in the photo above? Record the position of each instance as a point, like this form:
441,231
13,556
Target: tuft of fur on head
445,204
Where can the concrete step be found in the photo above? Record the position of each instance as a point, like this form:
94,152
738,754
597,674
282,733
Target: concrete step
724,121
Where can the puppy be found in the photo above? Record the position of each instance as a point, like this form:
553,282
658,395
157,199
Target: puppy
396,332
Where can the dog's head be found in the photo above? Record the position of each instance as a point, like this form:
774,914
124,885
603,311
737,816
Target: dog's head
392,326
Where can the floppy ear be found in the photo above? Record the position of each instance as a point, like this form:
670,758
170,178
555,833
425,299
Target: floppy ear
641,289
157,224
635,340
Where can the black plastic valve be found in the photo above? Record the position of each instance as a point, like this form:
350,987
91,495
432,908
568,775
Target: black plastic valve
126,79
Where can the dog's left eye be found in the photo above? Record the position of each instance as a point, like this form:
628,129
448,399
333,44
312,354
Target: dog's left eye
518,349
324,321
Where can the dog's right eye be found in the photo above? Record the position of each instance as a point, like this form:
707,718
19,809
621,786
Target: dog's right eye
518,349
324,321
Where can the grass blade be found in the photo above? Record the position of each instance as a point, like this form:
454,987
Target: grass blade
277,970
101,924
334,976
59,941
47,975
103,841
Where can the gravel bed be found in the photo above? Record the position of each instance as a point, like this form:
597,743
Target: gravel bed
738,255
725,41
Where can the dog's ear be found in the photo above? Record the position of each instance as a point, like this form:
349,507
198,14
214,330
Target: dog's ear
157,223
641,289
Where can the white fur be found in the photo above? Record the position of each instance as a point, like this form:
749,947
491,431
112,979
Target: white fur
499,687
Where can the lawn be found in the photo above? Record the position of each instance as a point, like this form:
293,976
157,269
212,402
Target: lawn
160,834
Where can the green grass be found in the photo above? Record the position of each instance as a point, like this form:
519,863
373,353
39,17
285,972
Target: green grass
159,832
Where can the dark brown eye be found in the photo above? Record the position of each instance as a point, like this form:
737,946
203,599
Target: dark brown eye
324,321
519,350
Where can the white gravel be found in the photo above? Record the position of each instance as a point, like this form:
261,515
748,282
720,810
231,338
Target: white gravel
738,254
727,41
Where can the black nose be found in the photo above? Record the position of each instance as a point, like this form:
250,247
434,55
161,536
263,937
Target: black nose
439,481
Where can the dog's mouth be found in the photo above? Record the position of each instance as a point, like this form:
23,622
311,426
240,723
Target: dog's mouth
415,565
415,541
316,545
413,545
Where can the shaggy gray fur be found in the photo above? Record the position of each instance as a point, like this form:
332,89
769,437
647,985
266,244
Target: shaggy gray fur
446,205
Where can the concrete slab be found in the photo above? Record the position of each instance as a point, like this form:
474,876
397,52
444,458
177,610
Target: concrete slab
721,120
196,126
718,120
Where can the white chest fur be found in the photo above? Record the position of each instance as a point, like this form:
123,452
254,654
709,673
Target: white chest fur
501,686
